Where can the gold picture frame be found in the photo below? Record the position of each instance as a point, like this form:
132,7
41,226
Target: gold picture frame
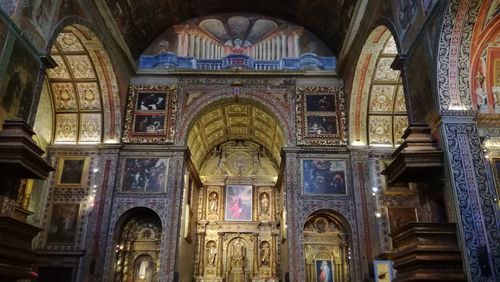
151,114
383,270
72,172
321,116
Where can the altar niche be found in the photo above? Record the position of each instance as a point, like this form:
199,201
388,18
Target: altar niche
326,248
138,246
238,234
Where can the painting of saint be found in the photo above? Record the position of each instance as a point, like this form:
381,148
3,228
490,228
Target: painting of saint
72,172
145,175
149,123
63,222
398,217
151,101
321,125
17,85
320,103
324,177
238,203
324,270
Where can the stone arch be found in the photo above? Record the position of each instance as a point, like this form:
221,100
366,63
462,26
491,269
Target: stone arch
93,103
377,114
138,233
257,109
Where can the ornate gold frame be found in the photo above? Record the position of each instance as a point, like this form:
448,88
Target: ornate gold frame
170,112
83,178
305,138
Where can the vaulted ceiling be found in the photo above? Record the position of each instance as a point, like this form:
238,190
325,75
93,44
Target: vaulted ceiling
140,22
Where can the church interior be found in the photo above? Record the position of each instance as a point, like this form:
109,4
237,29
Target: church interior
238,141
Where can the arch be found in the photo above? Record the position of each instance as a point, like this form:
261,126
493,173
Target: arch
377,114
83,86
253,110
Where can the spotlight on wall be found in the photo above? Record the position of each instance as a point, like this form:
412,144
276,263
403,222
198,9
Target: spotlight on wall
377,214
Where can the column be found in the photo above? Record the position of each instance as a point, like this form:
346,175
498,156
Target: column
191,45
278,47
202,49
220,253
197,47
296,43
283,45
273,48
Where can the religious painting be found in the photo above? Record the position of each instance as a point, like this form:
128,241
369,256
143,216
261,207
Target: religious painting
149,123
151,114
324,270
321,116
72,172
238,203
145,175
151,101
63,223
383,270
17,83
399,216
144,268
324,177
406,12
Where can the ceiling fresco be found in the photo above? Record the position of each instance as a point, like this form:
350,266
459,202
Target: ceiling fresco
236,121
140,22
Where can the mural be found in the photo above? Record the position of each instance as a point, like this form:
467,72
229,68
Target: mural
234,41
44,12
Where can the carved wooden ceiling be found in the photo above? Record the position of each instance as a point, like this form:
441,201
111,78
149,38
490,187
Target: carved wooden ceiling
140,22
235,121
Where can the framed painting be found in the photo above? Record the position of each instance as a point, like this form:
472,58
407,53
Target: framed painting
324,177
321,116
496,168
324,270
145,175
238,206
400,216
383,270
72,172
151,114
63,223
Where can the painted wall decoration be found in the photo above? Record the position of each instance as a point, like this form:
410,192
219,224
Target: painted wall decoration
321,116
145,175
43,14
400,216
72,172
238,203
19,72
324,270
151,114
324,177
236,41
63,223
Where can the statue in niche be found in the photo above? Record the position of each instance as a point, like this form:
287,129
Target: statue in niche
265,254
238,255
264,203
214,202
211,253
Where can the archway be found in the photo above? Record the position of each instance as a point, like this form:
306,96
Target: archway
326,247
377,115
137,246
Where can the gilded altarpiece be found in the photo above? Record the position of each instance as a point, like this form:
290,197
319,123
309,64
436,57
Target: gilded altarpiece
238,234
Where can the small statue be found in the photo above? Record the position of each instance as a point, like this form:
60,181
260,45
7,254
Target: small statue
214,202
264,203
237,255
265,253
211,253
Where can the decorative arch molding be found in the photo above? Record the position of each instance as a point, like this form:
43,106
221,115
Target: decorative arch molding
107,86
190,112
377,114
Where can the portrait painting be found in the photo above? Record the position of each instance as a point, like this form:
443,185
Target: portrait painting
150,123
18,82
320,103
72,171
147,101
383,270
324,177
399,216
63,223
321,125
145,175
324,270
238,203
